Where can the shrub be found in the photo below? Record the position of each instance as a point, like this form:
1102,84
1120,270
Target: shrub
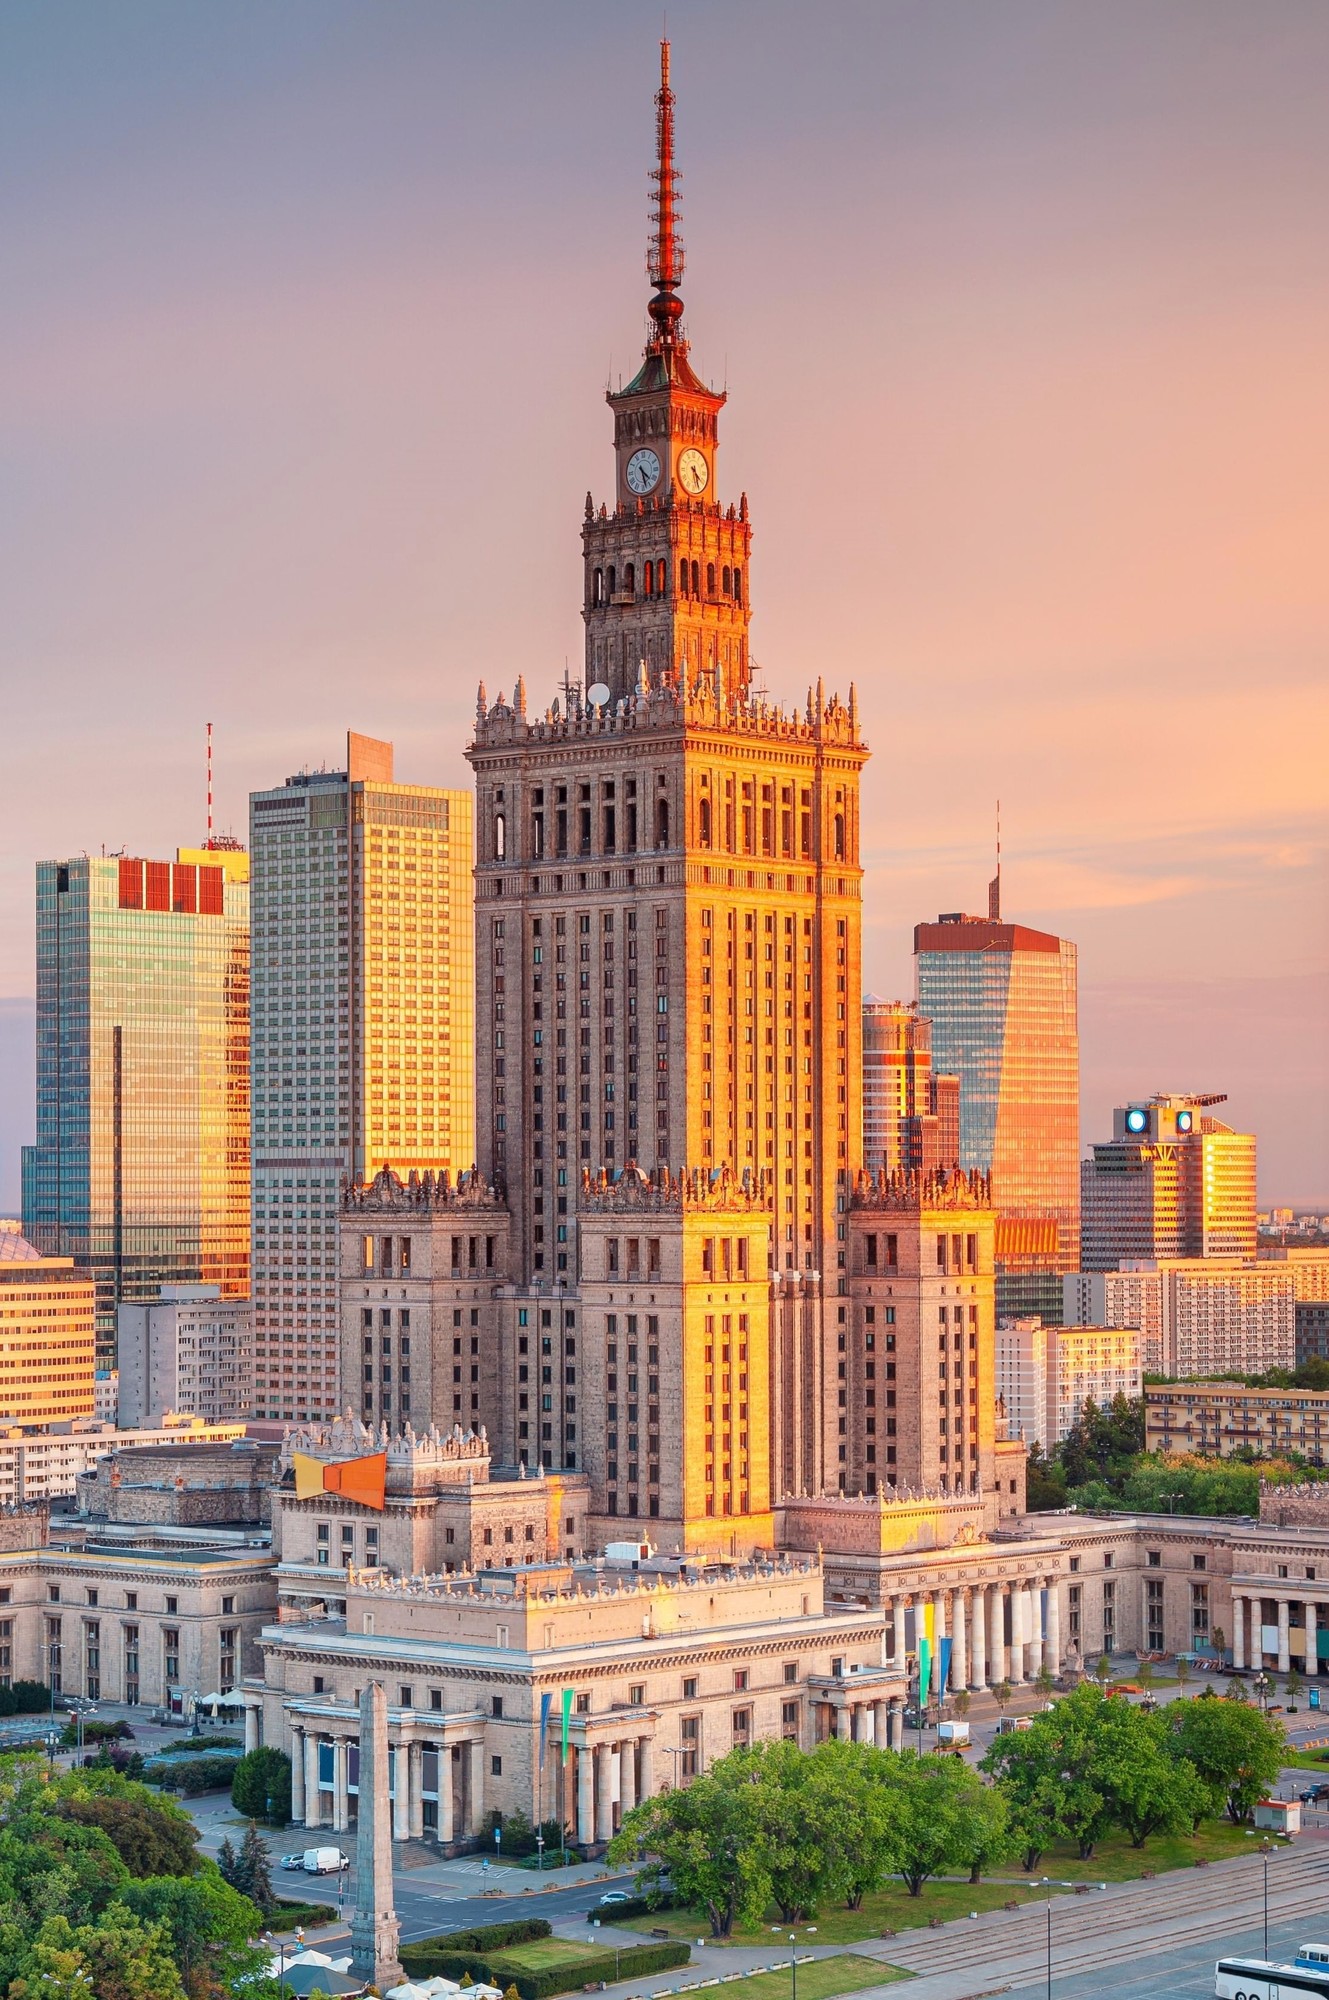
24,1698
299,1916
636,1906
637,1962
424,1961
192,1775
261,1785
194,1746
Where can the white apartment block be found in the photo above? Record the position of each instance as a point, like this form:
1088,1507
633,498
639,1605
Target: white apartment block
187,1352
1046,1374
43,1465
1196,1316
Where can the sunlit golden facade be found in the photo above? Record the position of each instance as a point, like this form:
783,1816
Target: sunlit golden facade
47,1342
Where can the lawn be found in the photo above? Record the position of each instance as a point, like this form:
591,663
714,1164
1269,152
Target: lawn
823,1978
537,1953
893,1908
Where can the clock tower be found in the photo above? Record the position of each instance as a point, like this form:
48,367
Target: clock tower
666,571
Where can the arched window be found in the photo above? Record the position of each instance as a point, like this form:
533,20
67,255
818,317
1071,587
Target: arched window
696,579
500,837
662,823
598,590
662,577
724,581
613,581
710,579
648,579
839,836
630,579
704,822
738,585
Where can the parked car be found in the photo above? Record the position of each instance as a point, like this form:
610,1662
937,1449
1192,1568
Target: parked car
615,1896
292,1860
1313,1794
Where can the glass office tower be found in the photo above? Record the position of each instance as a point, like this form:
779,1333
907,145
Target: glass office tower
140,1171
1002,1000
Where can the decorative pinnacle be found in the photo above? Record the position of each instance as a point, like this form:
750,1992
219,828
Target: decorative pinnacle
664,257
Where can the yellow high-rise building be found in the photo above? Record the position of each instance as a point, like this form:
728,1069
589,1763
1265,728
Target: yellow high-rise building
363,1035
47,1340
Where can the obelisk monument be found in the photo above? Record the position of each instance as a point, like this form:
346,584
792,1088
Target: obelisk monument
374,1927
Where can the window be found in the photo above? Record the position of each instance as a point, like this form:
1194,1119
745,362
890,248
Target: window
172,1606
1200,1614
229,1646
171,1652
1198,1562
689,1730
1073,1611
637,1695
319,1684
1154,1614
791,1673
740,1680
228,1607
789,1721
131,1600
436,1700
689,1689
405,1697
496,1707
1154,1558
742,1724
131,1663
496,1767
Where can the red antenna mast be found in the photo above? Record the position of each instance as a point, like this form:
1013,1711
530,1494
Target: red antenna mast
664,256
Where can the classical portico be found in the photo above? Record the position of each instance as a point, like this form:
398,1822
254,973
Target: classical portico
1280,1623
435,1766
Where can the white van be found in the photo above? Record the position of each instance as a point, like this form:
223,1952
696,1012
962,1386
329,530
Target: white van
325,1861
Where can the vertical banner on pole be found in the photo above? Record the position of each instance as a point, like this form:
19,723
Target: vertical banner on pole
925,1645
944,1646
567,1713
546,1703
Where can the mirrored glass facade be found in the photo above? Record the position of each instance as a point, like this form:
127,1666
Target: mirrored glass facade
140,1171
1002,1000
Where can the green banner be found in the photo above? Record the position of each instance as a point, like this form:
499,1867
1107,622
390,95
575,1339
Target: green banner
924,1670
567,1711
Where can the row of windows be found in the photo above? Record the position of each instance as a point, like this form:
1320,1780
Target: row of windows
608,582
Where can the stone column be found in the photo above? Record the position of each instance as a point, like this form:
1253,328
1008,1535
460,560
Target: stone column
585,1796
1312,1658
1238,1631
978,1651
627,1775
401,1794
647,1787
298,1776
842,1721
341,1810
251,1727
938,1634
1015,1666
996,1638
1284,1650
445,1832
871,1730
477,1775
604,1792
1052,1645
897,1635
313,1800
374,1928
1033,1630
415,1782
959,1647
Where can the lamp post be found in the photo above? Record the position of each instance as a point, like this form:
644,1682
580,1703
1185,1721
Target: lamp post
1264,1856
793,1965
280,1943
1172,1499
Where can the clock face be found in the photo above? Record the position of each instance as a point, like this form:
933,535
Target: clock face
693,472
643,471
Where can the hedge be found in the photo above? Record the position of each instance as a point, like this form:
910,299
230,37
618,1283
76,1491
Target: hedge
636,1962
487,1937
427,1961
635,1906
300,1916
24,1698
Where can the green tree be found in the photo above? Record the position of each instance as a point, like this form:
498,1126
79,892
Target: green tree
229,1865
256,1871
208,1924
1045,1487
261,1785
702,1840
1045,1680
1236,1751
118,1958
1183,1670
961,1702
1001,1694
1294,1686
151,1836
1149,1789
940,1819
1053,1774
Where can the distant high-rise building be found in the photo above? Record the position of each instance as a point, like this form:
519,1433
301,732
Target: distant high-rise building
1171,1182
363,1035
46,1335
1046,1374
1003,1006
140,1171
910,1115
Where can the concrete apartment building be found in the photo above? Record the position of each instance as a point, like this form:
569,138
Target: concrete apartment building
1195,1316
1224,1417
911,1117
189,1351
1046,1374
43,1465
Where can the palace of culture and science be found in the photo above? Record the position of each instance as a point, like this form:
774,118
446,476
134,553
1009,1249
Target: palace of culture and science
677,1285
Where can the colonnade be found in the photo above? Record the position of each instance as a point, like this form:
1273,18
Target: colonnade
459,1807
998,1631
879,1722
611,1773
1249,1647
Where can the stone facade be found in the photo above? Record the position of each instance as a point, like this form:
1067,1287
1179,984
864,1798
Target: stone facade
181,1485
1223,1418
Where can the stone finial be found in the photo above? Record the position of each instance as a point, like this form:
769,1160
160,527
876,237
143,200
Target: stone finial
481,703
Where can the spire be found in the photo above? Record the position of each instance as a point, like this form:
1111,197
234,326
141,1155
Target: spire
994,886
664,257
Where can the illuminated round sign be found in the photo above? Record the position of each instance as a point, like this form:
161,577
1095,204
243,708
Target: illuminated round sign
1184,1121
1137,1120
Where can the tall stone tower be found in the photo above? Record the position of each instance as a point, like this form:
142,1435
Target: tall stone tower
668,1024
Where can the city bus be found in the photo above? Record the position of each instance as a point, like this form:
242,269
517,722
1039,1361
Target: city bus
1307,1978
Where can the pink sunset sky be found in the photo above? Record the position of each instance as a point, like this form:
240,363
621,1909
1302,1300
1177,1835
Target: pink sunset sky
1023,310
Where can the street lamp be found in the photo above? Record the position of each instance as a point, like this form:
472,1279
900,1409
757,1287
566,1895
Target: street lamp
52,1738
1265,1851
539,1852
1172,1499
280,1943
793,1964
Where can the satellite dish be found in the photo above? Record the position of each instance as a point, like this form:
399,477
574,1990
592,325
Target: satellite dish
597,694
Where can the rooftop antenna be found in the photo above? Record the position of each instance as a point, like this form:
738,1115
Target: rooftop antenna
664,256
208,842
994,886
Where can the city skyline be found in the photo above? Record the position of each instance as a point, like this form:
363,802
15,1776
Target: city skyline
350,522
